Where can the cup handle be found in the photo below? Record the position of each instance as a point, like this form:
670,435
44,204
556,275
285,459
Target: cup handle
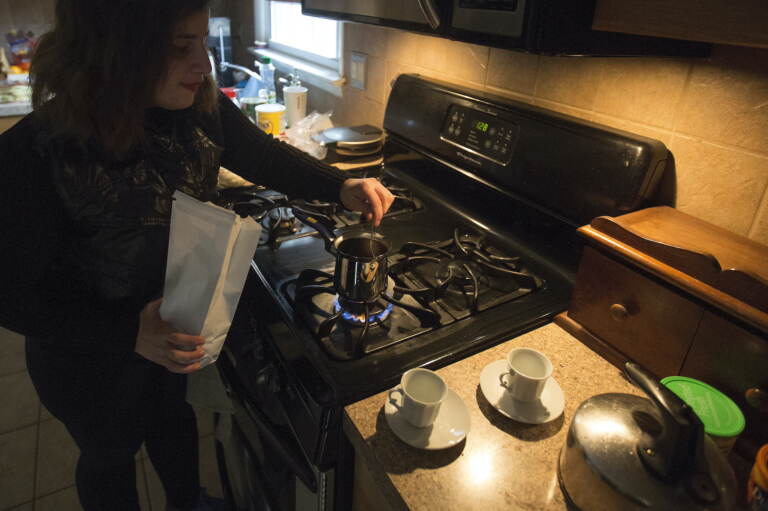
393,400
511,374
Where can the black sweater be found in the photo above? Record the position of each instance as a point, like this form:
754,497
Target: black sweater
40,294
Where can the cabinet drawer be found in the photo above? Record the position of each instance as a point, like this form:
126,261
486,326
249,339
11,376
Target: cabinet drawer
645,320
735,361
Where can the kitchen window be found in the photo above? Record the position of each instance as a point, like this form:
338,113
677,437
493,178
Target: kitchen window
309,44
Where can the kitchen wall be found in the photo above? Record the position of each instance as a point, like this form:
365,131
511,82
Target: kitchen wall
711,113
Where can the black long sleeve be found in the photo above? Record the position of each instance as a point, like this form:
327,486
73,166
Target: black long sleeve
32,301
43,295
262,159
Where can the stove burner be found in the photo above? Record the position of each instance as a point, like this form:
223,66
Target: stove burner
278,224
348,330
461,271
356,314
458,276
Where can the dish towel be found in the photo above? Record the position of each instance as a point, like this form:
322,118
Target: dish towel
205,389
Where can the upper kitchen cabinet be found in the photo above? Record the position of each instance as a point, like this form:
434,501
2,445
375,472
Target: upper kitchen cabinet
743,23
547,27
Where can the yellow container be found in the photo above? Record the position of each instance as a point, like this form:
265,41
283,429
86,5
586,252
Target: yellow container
270,117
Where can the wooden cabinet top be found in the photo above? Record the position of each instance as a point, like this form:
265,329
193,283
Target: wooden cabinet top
741,23
724,269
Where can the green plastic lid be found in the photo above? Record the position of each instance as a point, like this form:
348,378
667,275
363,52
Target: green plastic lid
718,413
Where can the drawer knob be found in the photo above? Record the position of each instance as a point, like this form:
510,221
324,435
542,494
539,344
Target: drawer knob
757,398
618,312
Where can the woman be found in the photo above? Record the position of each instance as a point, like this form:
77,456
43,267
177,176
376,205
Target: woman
125,113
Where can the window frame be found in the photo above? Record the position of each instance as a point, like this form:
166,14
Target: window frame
329,67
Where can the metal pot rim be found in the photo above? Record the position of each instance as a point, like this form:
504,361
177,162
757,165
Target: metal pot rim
341,239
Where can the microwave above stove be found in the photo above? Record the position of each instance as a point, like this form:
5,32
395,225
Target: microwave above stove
548,27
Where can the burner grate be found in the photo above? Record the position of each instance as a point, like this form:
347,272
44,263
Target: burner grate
370,330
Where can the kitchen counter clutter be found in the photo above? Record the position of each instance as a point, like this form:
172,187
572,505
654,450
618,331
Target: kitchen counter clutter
15,99
502,464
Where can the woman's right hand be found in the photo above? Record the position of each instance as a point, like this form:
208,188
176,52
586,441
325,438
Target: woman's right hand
159,342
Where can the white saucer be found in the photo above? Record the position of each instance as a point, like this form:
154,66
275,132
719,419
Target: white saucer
450,427
548,407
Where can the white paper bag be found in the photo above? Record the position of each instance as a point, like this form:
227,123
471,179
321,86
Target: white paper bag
209,253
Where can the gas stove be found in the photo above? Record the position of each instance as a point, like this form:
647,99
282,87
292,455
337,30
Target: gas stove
483,248
430,285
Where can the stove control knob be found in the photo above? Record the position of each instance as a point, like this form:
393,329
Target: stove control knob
618,312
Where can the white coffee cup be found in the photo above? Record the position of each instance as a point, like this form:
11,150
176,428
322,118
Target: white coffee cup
295,98
423,391
527,372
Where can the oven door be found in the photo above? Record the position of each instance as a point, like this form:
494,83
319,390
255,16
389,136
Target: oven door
261,460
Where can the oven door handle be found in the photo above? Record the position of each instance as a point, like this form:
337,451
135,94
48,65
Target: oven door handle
293,457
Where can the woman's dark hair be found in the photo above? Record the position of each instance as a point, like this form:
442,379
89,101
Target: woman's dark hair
95,73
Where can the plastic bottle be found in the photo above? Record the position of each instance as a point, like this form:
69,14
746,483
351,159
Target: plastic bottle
252,88
267,72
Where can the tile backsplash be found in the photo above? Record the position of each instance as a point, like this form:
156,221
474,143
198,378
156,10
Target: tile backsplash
711,113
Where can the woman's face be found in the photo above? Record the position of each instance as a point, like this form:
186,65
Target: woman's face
189,63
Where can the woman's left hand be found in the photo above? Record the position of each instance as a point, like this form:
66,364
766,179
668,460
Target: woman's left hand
367,196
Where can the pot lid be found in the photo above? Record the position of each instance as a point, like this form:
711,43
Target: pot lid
631,453
719,414
350,136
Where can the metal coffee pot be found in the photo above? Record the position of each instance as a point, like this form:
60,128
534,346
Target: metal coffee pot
362,266
629,453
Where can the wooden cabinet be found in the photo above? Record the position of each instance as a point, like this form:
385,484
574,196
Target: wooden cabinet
743,23
734,359
679,296
640,316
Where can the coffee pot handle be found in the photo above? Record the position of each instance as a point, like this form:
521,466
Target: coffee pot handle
670,453
321,223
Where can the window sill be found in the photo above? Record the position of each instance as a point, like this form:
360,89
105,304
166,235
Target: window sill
318,76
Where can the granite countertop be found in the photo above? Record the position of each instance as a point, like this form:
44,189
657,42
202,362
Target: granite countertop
502,464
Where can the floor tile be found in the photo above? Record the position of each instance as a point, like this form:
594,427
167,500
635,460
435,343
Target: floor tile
28,506
12,358
19,405
17,466
141,486
57,458
63,500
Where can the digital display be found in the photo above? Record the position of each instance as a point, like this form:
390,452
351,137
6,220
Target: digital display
481,132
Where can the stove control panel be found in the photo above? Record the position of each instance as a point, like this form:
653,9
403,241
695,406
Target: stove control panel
480,133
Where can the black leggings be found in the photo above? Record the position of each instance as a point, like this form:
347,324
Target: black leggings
110,404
